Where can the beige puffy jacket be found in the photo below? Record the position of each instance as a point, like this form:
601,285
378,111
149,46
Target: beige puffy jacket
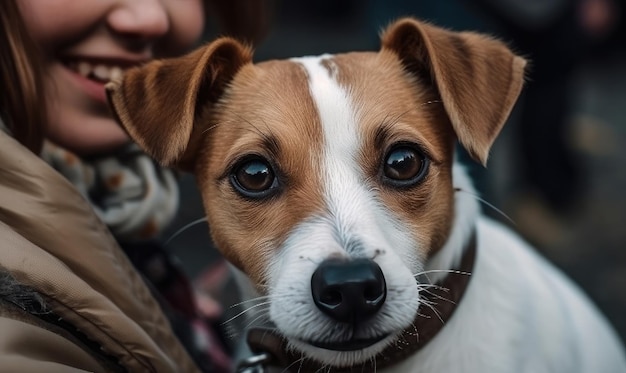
97,314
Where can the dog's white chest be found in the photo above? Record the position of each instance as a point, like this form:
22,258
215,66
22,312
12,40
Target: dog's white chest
520,314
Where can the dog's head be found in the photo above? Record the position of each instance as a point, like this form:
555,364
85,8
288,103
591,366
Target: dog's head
328,180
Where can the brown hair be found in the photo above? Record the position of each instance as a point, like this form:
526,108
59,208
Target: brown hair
22,105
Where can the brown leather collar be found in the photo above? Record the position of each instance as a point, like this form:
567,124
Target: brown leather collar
445,297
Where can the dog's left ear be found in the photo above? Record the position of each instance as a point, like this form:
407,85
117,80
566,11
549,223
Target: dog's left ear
158,104
478,78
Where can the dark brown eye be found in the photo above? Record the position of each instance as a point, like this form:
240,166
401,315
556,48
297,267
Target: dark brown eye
254,178
404,166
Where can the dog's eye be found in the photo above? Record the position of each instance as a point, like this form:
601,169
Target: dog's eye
404,166
253,178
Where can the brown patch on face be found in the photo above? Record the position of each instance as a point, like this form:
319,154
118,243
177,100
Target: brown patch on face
266,112
395,108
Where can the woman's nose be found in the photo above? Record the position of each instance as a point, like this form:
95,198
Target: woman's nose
144,20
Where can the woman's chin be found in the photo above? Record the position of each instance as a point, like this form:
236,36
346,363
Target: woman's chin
89,135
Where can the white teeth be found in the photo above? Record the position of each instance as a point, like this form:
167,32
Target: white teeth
100,72
84,69
116,73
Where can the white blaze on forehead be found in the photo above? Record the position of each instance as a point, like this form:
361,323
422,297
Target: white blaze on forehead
334,107
354,211
345,195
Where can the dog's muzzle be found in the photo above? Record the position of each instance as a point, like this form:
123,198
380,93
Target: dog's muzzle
272,348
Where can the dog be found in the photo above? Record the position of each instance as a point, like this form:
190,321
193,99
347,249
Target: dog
330,183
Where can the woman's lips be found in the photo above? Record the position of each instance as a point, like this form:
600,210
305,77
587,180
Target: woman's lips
92,75
92,88
100,72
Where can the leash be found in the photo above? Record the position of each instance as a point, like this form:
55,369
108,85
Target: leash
270,348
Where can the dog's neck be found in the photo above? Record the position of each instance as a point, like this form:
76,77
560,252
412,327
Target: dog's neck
447,268
466,212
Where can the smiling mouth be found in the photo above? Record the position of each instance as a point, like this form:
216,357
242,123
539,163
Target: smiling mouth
97,72
350,345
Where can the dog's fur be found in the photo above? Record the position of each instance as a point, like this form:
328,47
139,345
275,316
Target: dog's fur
325,125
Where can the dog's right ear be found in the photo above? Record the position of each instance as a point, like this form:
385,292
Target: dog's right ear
478,78
158,103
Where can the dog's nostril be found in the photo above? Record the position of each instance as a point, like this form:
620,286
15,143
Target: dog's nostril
373,292
332,297
349,291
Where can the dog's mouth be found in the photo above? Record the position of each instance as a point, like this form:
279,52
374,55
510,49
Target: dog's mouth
349,345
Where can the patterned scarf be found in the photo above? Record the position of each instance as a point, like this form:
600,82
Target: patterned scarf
134,196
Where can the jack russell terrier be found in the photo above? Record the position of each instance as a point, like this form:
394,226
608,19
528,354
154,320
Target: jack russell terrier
331,184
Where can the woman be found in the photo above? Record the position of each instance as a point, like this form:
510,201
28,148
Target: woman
70,300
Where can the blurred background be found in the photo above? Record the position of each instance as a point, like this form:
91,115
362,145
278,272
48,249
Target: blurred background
557,172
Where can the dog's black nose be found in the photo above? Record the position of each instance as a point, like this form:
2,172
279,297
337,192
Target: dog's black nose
349,291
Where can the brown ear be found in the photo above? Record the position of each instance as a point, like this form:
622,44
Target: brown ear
158,103
478,78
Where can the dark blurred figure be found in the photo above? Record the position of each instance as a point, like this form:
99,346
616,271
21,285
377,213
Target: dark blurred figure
556,36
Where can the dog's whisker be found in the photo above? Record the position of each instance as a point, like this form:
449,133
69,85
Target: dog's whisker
264,297
432,305
423,315
302,357
297,361
442,271
419,285
232,334
427,278
301,362
264,312
260,298
264,316
292,364
440,288
428,289
439,297
184,228
428,302
429,286
417,334
488,204
245,311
